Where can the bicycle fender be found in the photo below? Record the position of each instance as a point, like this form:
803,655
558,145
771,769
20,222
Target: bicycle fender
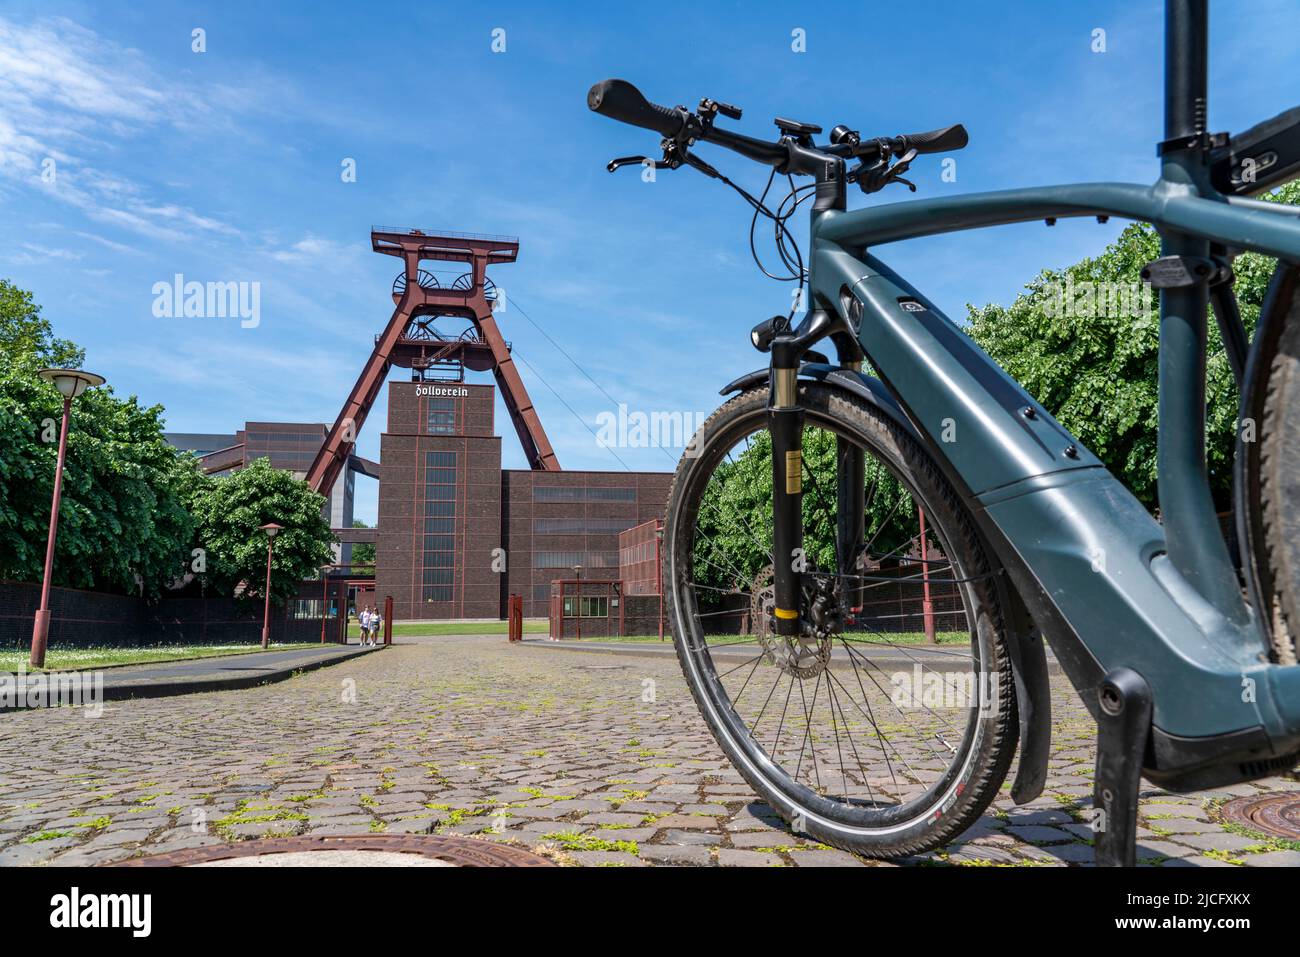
864,387
1025,643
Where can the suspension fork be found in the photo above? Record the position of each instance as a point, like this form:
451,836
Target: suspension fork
785,425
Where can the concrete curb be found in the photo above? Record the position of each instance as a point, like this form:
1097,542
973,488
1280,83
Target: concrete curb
128,689
133,664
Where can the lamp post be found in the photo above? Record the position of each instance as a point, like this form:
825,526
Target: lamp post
71,383
271,529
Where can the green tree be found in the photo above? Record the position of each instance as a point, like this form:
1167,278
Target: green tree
230,512
735,520
363,553
24,333
123,524
1095,367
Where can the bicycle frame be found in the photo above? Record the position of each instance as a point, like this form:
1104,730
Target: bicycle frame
1109,587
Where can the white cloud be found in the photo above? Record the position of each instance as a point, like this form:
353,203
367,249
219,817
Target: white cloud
108,243
67,94
317,250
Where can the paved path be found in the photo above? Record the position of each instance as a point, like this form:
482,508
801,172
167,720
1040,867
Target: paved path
932,657
460,735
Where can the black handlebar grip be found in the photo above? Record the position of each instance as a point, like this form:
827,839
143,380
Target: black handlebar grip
939,141
620,100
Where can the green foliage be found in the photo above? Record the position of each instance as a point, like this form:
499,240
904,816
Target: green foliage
1096,370
229,514
133,508
735,520
123,524
24,333
363,553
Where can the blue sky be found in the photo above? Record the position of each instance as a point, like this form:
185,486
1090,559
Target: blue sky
225,166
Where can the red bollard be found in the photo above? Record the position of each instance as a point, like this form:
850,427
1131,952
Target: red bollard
515,616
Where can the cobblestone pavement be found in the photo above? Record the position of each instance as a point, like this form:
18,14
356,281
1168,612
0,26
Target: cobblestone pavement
468,735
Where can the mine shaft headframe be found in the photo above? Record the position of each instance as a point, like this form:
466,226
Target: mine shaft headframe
417,293
478,250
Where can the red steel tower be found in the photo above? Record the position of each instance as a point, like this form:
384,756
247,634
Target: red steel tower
411,340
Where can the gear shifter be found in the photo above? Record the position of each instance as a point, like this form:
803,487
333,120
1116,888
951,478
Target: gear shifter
877,176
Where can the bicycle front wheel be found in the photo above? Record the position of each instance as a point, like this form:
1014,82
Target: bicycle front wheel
888,730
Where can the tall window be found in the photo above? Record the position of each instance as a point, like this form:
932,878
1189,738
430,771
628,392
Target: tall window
442,416
439,524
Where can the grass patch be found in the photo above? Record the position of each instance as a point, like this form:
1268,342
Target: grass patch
624,795
572,841
251,812
67,659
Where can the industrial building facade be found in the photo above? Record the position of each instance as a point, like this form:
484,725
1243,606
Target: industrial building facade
458,534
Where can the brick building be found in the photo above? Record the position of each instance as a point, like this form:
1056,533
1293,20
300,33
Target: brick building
290,446
458,533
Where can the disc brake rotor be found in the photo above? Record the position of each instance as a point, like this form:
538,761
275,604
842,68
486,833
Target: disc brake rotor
802,656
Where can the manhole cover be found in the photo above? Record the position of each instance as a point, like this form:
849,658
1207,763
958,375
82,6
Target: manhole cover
348,850
1276,814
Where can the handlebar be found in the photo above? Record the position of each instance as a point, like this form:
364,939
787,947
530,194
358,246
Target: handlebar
620,100
937,141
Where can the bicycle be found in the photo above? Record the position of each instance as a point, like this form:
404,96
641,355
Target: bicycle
938,473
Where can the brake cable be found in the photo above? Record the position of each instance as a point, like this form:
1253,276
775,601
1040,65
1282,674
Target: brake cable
781,233
787,246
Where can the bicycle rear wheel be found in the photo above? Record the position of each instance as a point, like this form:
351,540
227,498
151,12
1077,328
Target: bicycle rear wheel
873,738
1273,467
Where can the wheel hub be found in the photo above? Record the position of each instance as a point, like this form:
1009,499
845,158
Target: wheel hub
801,656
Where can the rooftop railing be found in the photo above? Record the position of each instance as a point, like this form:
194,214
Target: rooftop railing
443,234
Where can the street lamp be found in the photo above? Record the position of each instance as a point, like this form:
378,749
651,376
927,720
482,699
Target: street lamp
271,529
70,382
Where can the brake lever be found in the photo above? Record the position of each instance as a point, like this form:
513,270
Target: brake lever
616,164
